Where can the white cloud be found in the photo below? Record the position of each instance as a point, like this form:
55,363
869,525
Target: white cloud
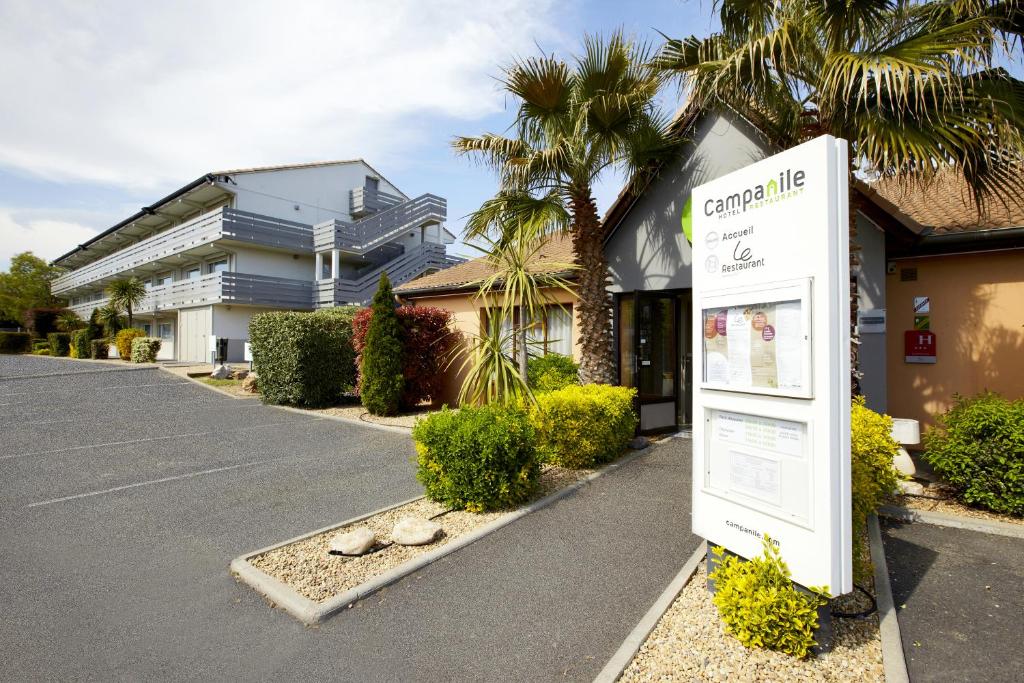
46,233
137,94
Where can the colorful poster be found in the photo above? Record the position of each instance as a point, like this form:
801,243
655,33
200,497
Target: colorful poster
755,346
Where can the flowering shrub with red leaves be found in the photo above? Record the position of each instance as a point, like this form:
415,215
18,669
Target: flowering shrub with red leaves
427,341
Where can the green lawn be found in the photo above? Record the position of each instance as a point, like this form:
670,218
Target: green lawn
221,382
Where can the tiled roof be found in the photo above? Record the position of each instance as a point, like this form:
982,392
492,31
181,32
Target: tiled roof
551,258
944,205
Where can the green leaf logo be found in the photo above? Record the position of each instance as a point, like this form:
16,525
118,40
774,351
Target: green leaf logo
688,219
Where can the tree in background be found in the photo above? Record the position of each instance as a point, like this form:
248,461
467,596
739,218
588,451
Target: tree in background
382,379
574,121
126,295
110,318
26,285
911,85
68,321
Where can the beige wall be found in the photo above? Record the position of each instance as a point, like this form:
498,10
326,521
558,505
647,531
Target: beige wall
466,314
977,315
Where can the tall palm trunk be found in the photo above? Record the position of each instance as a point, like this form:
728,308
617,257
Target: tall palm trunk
855,373
594,307
522,342
128,310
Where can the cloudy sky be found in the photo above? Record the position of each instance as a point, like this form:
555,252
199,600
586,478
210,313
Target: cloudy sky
111,105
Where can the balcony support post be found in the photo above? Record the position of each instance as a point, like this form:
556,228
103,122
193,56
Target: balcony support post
335,264
319,273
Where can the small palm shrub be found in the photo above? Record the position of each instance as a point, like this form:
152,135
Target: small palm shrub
761,607
978,447
123,341
60,343
872,475
381,370
583,426
552,371
477,459
144,349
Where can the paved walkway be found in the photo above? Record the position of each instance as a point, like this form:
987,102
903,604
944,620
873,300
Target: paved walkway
959,598
115,562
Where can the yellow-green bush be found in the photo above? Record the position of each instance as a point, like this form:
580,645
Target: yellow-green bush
872,475
123,341
144,349
582,426
761,607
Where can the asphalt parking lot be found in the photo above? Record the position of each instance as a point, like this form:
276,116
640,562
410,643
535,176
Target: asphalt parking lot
127,492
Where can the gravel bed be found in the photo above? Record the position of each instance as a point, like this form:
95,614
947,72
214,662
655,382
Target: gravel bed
307,567
940,499
358,412
690,644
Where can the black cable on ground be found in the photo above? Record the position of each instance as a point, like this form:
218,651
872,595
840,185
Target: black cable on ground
859,615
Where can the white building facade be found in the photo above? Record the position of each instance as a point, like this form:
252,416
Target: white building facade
235,243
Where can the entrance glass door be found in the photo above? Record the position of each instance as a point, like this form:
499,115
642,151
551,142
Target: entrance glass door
656,360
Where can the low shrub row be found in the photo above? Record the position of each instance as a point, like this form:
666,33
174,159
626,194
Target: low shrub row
60,343
488,458
304,359
550,372
978,447
123,341
15,342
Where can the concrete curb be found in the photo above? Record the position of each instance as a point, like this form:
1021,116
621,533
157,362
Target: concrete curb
893,662
955,521
635,640
348,420
310,612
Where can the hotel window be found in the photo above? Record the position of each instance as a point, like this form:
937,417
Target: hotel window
193,273
551,334
161,280
219,266
166,331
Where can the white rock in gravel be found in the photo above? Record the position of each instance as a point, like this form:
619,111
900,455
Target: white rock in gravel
415,531
220,372
355,542
911,487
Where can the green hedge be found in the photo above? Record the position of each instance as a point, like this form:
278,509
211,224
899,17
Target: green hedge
144,349
81,343
584,426
60,343
551,372
15,342
99,349
477,458
978,447
872,475
304,359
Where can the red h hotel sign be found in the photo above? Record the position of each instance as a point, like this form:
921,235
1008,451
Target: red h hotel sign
919,346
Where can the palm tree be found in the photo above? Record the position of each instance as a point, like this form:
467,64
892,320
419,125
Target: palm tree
573,122
126,295
68,321
110,318
911,85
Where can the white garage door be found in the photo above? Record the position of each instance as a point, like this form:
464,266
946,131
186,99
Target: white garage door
195,326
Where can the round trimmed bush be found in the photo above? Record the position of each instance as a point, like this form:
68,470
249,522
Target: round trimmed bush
123,341
551,372
477,459
978,447
583,426
144,349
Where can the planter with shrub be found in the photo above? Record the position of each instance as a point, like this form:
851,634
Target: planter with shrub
978,448
15,342
144,349
123,341
304,359
551,372
477,459
583,426
60,343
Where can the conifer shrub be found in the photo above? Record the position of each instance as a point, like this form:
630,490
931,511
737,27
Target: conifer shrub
583,426
551,372
144,349
15,342
81,343
303,359
427,340
477,459
761,607
382,379
978,447
123,341
60,343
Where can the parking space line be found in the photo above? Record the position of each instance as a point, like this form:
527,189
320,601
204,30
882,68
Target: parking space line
122,410
114,386
158,438
151,482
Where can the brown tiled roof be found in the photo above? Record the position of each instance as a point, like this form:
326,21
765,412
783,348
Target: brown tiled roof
944,205
551,258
